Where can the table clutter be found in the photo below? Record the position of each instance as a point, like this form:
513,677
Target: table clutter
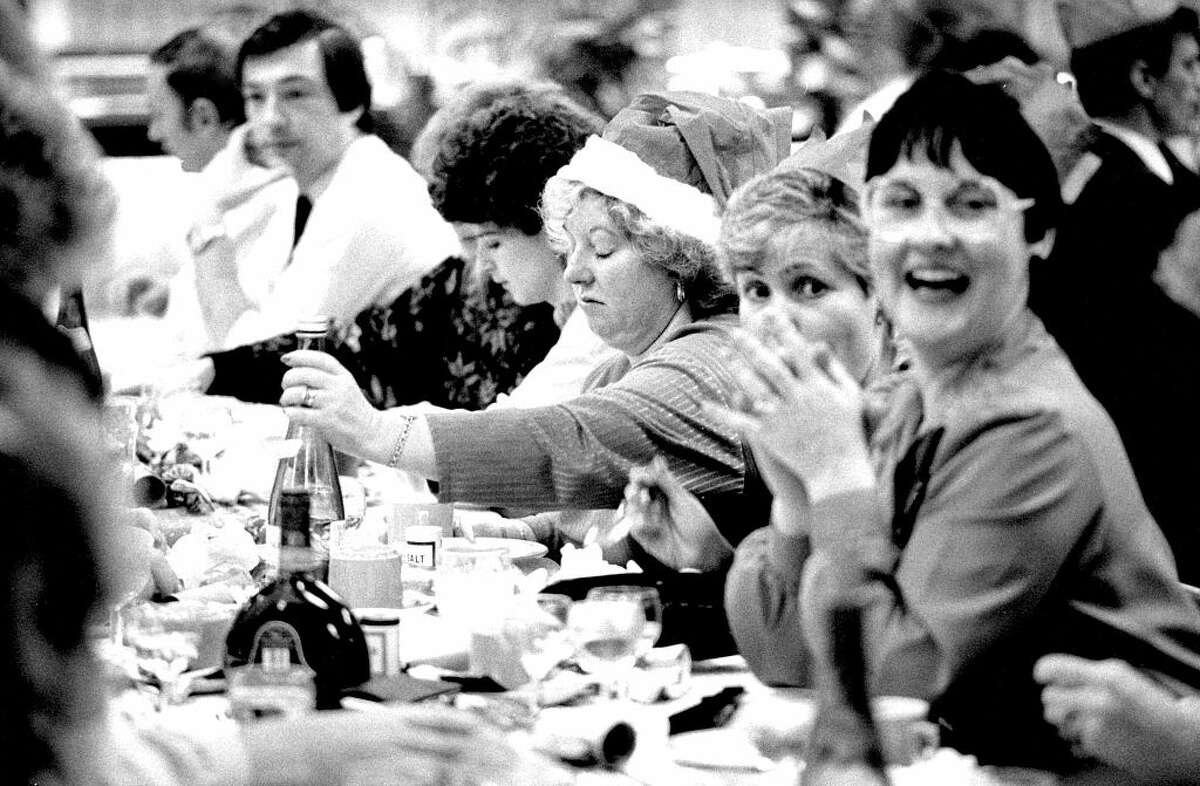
459,619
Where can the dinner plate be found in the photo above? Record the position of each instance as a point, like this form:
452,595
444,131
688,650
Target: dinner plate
718,749
404,612
518,550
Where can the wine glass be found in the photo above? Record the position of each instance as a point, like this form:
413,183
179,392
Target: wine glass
651,604
538,632
163,654
606,632
128,574
120,419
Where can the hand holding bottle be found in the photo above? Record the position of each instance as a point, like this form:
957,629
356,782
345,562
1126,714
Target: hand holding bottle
319,392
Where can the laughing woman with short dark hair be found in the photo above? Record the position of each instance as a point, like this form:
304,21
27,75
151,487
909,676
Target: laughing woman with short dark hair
991,506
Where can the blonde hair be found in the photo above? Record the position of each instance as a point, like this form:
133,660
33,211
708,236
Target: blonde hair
764,214
687,260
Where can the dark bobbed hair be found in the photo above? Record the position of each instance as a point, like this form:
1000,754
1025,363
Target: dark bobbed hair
199,65
467,100
984,47
1102,68
493,165
764,214
345,71
942,110
688,260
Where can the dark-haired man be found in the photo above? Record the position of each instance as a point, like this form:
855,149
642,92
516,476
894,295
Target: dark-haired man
196,114
194,100
363,228
1137,65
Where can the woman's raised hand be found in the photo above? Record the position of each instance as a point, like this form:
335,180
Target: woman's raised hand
1110,710
670,523
319,392
797,403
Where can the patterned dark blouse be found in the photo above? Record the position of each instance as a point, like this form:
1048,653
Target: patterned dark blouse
442,341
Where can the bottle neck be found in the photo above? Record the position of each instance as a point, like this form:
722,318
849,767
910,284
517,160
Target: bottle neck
846,676
313,341
296,559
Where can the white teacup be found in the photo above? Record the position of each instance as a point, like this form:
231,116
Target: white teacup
779,722
904,732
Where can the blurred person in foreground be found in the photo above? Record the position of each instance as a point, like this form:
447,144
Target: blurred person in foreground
60,559
987,504
1138,71
635,214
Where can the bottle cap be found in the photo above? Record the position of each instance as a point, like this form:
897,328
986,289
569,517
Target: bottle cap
316,323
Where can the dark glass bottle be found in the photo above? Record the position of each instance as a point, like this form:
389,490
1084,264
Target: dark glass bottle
313,468
297,621
843,748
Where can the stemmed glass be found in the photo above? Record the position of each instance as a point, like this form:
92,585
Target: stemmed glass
651,605
606,632
129,574
120,419
538,632
163,654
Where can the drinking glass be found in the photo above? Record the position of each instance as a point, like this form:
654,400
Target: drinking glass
606,633
651,605
161,653
472,582
129,574
539,633
120,418
354,500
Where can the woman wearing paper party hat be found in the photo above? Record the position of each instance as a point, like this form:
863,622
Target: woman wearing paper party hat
636,213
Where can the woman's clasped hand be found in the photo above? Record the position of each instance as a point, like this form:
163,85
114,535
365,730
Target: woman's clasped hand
799,407
1111,711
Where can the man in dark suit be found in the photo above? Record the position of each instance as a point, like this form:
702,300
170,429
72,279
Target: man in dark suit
1137,65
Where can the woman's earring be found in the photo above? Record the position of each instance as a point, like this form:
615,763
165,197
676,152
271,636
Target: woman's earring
679,294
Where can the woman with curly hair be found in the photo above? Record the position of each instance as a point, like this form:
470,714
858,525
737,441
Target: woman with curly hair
486,179
635,214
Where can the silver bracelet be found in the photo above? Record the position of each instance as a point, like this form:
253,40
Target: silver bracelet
401,441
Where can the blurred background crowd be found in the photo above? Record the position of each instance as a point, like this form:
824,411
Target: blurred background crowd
822,57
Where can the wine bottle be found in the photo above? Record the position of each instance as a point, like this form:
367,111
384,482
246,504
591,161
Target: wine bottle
844,748
297,622
313,468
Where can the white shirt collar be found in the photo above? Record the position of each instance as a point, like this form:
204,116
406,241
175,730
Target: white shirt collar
1144,147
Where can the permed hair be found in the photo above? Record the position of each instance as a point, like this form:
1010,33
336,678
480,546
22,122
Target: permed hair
1102,69
691,262
493,165
465,102
345,70
763,216
199,65
54,200
942,111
